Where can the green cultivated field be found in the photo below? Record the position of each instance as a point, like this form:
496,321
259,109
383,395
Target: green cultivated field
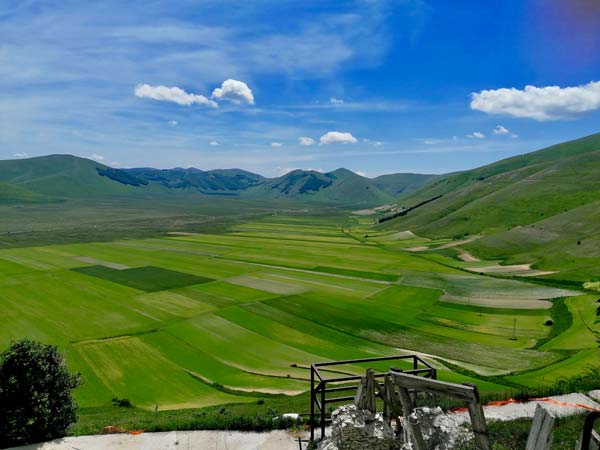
193,320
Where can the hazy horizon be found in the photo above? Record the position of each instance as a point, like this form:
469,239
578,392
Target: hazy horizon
374,86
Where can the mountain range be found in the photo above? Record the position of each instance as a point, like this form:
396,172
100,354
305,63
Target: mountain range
67,176
541,207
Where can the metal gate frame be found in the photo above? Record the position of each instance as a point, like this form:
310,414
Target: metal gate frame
318,392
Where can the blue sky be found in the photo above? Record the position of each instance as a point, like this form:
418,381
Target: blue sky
374,86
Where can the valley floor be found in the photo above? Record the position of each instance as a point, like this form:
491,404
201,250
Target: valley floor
192,320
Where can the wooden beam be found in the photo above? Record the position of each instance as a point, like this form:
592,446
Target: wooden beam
414,430
480,429
540,435
458,391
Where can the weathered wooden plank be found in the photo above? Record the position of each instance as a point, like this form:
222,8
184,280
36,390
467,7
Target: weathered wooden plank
371,393
414,430
540,435
360,393
457,391
480,429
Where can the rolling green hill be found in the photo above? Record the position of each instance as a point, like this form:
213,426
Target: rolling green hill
67,176
542,206
402,183
341,186
64,176
11,194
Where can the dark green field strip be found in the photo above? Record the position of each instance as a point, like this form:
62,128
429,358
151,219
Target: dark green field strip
376,329
357,345
356,273
302,339
191,357
487,310
148,279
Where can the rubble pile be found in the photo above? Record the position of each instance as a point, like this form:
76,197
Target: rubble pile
355,429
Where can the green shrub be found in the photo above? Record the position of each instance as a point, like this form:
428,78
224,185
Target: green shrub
122,402
35,394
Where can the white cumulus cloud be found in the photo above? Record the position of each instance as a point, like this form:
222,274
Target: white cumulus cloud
336,101
362,174
500,130
304,140
97,157
214,143
235,91
476,135
539,103
21,155
503,131
276,144
173,123
337,137
172,94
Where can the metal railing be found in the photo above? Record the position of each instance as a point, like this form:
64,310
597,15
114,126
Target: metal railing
319,391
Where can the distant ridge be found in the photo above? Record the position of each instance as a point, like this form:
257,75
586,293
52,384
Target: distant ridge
68,176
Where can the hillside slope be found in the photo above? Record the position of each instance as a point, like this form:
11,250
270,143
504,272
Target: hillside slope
542,207
65,176
11,194
517,191
402,183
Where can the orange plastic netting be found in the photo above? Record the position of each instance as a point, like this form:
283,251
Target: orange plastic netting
540,399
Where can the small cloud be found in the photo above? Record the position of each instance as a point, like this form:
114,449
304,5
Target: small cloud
283,170
172,94
539,103
173,123
336,101
476,135
306,141
429,141
502,131
276,144
235,91
337,137
214,143
362,174
21,155
377,143
97,157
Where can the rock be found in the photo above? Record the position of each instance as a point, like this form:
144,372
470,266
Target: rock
354,429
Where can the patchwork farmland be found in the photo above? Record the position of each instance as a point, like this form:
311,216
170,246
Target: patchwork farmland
190,320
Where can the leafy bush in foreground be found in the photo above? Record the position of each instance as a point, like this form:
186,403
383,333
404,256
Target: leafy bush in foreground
35,394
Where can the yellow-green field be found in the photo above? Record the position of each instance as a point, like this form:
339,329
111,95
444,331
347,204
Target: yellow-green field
160,320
